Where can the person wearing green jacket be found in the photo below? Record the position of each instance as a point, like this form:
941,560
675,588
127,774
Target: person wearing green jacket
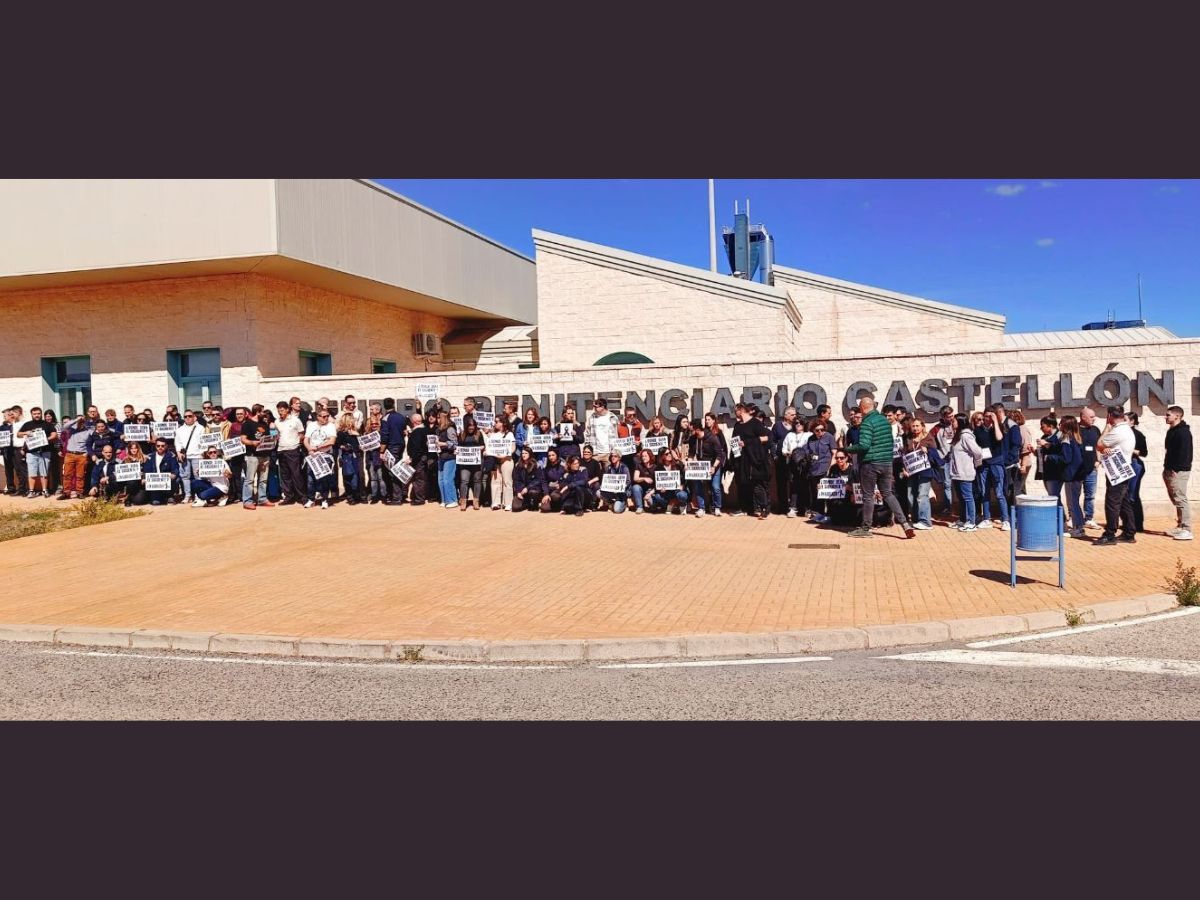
874,449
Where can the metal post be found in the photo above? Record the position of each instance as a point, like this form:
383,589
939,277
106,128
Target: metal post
1062,547
1012,547
712,227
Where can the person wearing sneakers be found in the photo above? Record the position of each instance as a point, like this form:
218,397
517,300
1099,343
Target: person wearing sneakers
257,463
874,448
319,438
1177,469
919,483
965,457
1118,501
1089,434
215,488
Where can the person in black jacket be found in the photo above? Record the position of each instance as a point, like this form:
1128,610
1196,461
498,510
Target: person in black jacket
423,462
1140,451
393,431
555,475
755,461
529,483
1177,468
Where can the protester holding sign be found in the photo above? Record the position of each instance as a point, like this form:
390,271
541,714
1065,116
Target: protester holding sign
290,453
446,441
670,491
470,477
503,448
370,443
820,449
754,462
161,462
569,434
211,482
529,483
614,487
256,463
922,464
39,437
1118,502
319,439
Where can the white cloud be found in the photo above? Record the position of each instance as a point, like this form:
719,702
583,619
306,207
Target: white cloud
1048,184
1168,189
1007,190
1045,242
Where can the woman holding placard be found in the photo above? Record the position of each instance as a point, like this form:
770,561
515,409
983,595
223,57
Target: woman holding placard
135,495
372,458
921,465
470,477
505,444
671,497
347,446
446,441
820,449
614,471
570,434
525,429
643,480
210,485
545,435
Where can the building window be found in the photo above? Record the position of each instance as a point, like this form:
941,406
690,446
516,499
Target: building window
67,384
312,363
623,358
195,377
383,367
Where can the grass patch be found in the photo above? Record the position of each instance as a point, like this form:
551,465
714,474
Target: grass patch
1074,617
14,525
1185,585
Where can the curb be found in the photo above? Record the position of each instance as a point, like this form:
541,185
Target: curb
700,646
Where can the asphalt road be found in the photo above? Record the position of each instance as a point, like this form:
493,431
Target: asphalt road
44,682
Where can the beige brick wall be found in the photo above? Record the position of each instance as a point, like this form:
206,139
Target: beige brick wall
586,311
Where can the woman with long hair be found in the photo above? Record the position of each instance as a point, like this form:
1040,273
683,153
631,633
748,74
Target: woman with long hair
555,474
502,474
569,434
1071,449
1140,451
677,499
135,493
1026,459
920,483
965,458
374,461
642,487
529,483
470,477
447,441
350,458
716,448
544,426
523,429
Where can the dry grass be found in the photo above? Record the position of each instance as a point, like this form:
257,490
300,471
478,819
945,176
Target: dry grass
15,525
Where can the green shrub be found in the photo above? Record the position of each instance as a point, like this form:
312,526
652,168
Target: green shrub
1185,585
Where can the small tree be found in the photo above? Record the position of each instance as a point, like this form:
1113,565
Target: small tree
1185,585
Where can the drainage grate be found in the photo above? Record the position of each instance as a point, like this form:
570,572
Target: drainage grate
814,546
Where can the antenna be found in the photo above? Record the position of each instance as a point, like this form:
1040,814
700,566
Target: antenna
712,227
1140,317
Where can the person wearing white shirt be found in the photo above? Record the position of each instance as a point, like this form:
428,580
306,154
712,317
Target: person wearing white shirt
502,475
187,449
1118,501
602,426
319,437
291,433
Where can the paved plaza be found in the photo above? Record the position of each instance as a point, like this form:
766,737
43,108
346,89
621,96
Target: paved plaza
385,573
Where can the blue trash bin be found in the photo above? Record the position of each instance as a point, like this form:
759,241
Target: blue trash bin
1037,523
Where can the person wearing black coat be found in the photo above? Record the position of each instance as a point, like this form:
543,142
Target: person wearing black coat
529,483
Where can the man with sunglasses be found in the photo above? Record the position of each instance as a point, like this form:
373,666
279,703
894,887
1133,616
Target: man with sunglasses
187,450
162,460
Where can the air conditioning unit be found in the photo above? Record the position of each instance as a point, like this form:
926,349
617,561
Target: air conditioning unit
425,345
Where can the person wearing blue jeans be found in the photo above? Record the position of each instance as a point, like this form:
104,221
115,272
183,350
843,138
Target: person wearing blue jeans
1089,437
966,504
256,467
447,442
993,477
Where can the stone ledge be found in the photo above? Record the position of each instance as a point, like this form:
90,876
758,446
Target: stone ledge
93,637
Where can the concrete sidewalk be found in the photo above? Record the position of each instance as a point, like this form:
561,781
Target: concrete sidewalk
491,585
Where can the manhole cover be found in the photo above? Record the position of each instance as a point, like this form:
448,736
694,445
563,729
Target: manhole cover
814,546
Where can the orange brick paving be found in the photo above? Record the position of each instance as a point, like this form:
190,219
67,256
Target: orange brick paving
375,572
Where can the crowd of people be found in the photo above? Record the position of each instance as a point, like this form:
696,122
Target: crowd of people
881,467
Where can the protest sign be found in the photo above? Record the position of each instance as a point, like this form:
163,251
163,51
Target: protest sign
468,456
496,445
985,452
388,459
369,441
157,481
36,439
655,442
484,419
457,422
1117,467
5,438
403,471
831,489
127,471
626,446
267,444
735,446
431,443
210,468
858,495
210,439
613,484
136,433
667,480
428,390
567,431
233,447
696,470
897,446
165,429
917,461
320,464
540,443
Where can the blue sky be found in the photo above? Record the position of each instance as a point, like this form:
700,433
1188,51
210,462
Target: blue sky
1049,253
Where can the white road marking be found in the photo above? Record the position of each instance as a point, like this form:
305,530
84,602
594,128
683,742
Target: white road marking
1056,661
705,663
405,667
1084,629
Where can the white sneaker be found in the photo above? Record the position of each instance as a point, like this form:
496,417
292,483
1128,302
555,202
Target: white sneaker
507,508
739,513
1004,526
1183,535
921,526
717,511
984,524
324,504
791,513
197,502
699,513
1091,523
1171,532
308,504
450,505
968,527
222,501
